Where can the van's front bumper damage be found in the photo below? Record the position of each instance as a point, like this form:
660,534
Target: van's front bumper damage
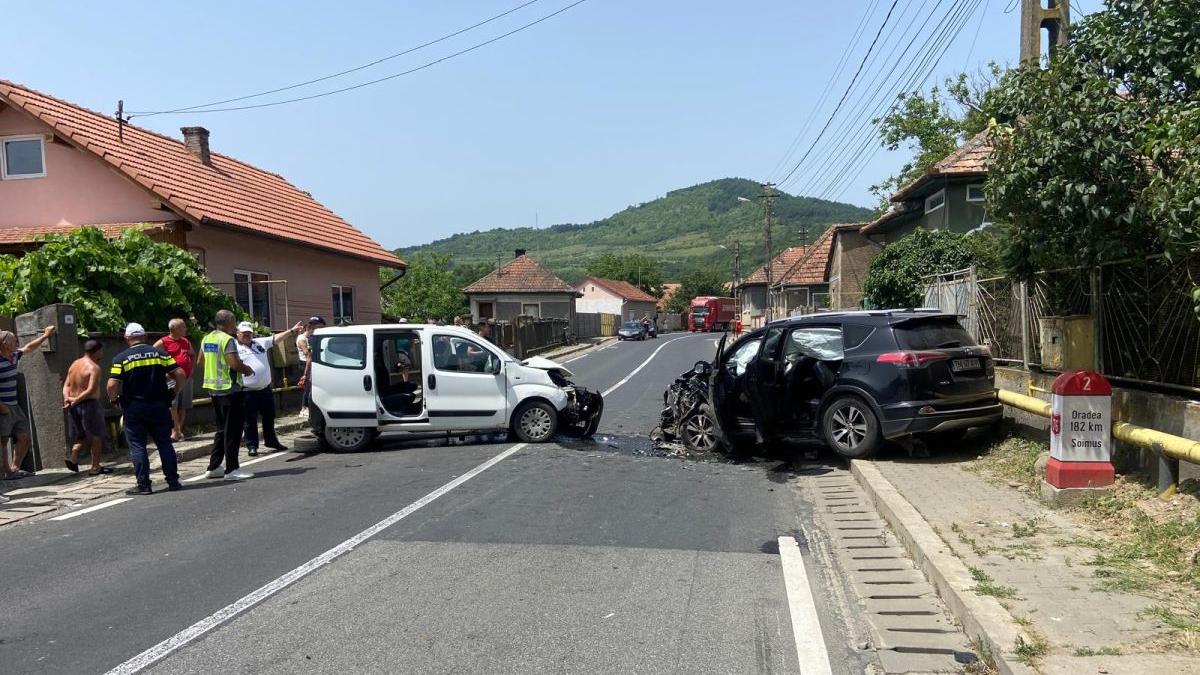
581,415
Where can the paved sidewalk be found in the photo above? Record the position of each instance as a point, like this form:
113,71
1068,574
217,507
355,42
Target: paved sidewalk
1027,556
57,487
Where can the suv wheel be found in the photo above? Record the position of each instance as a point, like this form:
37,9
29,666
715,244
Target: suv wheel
850,428
347,439
698,432
535,422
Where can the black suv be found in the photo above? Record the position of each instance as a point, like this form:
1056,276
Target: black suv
852,379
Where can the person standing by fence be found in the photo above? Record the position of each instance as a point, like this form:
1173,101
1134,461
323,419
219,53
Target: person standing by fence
85,414
177,345
14,423
260,399
223,372
138,380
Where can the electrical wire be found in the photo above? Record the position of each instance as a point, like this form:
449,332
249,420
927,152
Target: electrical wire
206,109
841,101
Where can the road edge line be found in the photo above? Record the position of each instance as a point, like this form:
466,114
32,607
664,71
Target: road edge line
232,610
982,617
637,370
91,509
811,652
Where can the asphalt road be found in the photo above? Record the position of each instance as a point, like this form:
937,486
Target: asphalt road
573,556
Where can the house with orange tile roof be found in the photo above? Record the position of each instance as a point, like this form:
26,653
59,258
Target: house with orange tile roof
612,296
753,293
521,287
279,252
808,285
949,195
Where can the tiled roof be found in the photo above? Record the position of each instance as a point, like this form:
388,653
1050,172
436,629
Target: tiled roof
521,275
779,265
227,192
621,289
970,159
10,236
813,268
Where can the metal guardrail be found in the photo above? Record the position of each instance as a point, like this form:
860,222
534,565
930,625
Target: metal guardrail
1170,448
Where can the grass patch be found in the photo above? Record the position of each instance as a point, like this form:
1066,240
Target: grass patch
1031,651
1022,551
975,546
984,665
986,585
1030,528
1011,459
1153,552
1103,651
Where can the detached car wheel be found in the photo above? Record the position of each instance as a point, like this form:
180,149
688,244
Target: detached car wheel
850,428
698,432
535,422
347,439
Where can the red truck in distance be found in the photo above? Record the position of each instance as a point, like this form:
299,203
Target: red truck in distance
708,314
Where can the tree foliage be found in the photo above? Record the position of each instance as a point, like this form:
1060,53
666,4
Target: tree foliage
934,124
1097,156
696,282
431,289
640,270
112,282
896,276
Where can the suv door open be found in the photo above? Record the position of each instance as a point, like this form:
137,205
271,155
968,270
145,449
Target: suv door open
466,387
348,401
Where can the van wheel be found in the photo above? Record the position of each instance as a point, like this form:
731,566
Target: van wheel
535,422
850,428
347,439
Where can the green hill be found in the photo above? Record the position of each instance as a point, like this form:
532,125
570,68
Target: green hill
681,229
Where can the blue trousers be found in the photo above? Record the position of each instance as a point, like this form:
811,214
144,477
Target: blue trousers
143,420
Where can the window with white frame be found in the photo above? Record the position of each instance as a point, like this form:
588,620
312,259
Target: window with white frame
253,294
22,157
935,201
343,304
531,309
975,193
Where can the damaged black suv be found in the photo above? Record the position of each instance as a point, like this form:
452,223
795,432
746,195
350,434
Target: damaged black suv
850,379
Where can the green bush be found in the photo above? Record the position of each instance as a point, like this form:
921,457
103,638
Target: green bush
896,276
111,282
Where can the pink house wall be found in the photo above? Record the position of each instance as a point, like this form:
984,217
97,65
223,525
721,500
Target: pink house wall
310,273
77,189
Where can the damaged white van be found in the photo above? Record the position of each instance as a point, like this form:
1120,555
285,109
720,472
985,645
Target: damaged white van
419,379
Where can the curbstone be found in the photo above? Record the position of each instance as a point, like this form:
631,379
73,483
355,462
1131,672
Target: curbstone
982,617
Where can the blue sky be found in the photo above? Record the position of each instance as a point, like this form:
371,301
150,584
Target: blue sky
612,103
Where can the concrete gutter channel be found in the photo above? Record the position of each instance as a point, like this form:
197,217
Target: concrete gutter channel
982,617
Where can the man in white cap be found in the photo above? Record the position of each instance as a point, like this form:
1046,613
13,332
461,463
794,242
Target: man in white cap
260,400
14,424
138,379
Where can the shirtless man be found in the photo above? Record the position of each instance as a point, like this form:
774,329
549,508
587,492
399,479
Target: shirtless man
85,414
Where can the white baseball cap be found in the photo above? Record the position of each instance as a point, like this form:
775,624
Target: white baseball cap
134,330
245,327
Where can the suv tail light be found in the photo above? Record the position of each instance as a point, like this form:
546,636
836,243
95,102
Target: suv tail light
910,359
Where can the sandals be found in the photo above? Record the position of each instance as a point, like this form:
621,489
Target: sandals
71,465
100,471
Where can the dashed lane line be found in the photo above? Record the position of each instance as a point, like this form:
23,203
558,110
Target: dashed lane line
650,358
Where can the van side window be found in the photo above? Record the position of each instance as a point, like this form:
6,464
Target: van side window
460,355
341,351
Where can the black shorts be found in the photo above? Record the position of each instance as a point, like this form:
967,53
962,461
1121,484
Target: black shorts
86,419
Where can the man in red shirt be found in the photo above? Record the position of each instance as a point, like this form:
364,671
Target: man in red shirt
180,348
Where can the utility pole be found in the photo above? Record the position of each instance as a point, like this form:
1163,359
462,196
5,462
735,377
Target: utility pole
767,197
1055,17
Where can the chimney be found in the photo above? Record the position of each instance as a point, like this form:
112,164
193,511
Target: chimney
518,253
196,140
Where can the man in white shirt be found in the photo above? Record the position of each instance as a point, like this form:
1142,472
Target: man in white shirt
260,400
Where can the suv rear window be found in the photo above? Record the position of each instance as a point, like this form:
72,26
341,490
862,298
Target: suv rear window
932,333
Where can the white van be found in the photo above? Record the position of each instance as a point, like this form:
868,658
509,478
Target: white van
418,378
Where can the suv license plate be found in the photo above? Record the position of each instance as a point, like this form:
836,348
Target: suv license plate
959,365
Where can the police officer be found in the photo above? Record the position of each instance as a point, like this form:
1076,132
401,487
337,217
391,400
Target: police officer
223,371
138,379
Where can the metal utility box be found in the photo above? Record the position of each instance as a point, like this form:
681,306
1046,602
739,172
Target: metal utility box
1068,342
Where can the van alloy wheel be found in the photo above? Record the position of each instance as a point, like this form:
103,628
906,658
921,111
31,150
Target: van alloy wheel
536,423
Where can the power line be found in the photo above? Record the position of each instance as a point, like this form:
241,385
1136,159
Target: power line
205,109
838,107
837,71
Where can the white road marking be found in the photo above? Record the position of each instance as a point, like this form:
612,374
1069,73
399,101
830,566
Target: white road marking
256,460
196,630
806,625
628,377
92,509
